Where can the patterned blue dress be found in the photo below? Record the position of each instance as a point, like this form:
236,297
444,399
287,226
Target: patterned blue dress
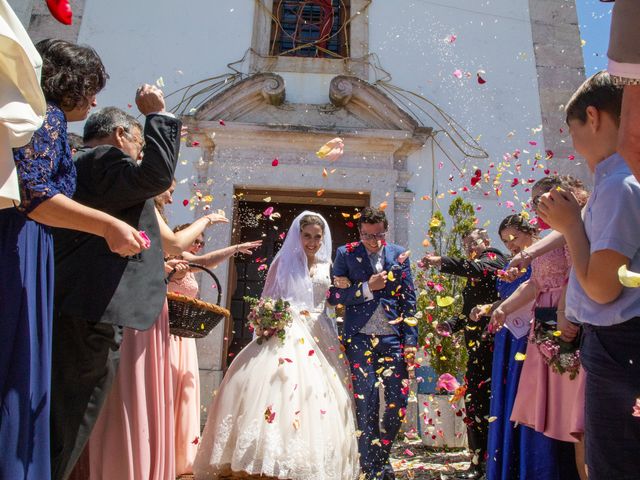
45,169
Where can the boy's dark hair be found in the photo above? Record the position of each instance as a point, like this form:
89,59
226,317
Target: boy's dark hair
597,91
518,222
372,216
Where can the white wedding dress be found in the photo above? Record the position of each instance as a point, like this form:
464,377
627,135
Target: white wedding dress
285,410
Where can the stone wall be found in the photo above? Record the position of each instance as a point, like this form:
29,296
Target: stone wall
560,69
39,23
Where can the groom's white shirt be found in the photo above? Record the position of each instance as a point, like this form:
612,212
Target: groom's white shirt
378,324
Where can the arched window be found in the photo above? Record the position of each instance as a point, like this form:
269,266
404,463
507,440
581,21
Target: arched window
310,28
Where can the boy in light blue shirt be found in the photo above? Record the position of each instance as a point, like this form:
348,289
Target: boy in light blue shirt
607,237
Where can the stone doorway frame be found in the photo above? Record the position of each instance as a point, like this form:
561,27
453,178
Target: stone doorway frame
302,197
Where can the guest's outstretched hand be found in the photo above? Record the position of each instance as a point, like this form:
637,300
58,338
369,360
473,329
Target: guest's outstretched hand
519,263
216,218
498,318
248,247
149,99
430,260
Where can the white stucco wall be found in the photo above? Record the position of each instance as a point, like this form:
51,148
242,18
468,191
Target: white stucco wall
181,42
409,38
149,40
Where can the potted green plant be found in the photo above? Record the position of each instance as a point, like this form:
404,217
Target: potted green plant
438,299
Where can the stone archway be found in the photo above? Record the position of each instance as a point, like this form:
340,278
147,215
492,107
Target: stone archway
242,129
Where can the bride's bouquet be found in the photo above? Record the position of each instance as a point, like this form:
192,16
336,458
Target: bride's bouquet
268,317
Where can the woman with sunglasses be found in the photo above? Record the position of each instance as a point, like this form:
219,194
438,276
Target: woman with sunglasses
184,356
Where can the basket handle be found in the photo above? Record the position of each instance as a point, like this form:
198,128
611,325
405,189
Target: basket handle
215,279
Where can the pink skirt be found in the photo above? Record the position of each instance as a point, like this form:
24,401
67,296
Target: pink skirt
186,397
549,402
134,436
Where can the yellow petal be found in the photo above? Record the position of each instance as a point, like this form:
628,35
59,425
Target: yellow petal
411,321
390,277
435,222
520,357
628,278
444,301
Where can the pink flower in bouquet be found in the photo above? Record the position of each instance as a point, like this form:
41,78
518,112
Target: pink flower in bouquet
549,349
448,382
636,408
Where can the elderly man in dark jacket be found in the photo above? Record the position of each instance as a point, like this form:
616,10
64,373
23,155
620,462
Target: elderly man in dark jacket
98,292
480,271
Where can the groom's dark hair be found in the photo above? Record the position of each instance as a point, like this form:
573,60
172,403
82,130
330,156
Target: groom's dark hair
373,215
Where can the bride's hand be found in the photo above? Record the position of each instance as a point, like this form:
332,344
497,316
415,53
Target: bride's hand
341,282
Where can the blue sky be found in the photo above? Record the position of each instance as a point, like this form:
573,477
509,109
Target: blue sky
594,18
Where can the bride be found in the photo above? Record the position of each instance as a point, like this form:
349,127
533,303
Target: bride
285,410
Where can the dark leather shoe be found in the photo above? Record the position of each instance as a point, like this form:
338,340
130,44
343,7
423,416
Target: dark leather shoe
388,474
474,472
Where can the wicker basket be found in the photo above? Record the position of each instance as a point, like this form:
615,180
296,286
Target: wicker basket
193,318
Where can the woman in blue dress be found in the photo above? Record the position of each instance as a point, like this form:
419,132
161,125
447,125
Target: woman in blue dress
72,75
504,447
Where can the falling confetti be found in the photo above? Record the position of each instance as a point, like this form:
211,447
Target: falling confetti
332,150
628,278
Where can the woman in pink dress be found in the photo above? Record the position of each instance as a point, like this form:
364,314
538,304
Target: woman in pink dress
184,356
134,436
547,401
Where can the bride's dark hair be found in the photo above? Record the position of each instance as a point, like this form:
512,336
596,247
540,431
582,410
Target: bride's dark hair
311,220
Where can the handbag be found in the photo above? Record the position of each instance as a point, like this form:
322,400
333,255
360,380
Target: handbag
546,319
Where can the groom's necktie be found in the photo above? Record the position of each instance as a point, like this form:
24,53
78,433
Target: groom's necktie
375,258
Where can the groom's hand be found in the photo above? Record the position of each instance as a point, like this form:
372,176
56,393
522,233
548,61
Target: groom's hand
378,281
341,282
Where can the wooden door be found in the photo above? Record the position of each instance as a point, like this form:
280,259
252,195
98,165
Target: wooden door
251,224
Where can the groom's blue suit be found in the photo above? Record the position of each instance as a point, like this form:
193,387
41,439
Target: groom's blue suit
376,358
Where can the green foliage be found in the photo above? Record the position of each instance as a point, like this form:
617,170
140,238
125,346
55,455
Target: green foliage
440,296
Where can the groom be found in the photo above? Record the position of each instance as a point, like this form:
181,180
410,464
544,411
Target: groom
378,295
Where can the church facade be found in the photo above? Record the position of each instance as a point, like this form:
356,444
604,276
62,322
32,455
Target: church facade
423,93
